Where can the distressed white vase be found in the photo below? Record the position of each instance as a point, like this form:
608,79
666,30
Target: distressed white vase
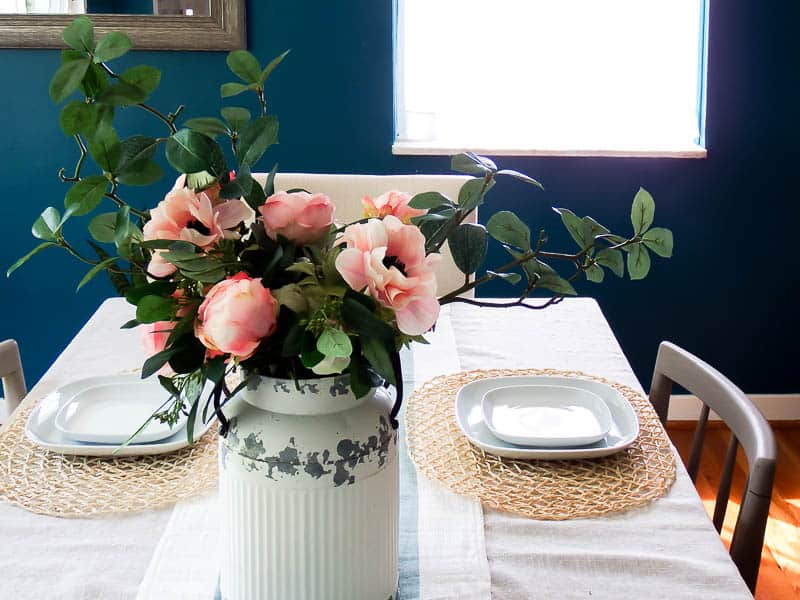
309,493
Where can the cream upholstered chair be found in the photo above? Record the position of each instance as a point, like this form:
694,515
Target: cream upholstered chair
346,192
12,376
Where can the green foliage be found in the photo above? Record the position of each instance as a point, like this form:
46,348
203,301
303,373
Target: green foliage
67,79
236,116
244,65
468,244
28,256
79,35
190,152
104,147
48,226
659,240
112,45
642,211
254,141
83,197
508,228
143,77
98,268
612,259
334,343
471,194
638,262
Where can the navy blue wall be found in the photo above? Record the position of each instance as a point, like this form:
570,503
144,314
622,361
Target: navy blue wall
729,294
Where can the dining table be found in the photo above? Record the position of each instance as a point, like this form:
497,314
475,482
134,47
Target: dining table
451,547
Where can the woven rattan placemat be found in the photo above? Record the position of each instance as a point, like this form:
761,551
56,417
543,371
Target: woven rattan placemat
75,486
539,489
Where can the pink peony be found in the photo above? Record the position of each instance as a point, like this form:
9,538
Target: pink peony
192,217
301,217
388,259
391,203
235,316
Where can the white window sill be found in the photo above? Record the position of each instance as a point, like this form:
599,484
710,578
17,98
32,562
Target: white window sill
435,148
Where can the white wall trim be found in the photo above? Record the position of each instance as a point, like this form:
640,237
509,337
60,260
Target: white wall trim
775,407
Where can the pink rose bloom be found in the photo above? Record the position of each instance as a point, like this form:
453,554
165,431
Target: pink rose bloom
235,316
391,203
388,259
154,339
301,217
192,217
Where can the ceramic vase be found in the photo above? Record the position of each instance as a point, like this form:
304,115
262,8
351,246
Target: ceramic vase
309,493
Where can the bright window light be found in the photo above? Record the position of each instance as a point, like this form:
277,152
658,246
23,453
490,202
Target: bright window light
550,76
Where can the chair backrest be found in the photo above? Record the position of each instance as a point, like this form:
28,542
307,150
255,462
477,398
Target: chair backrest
11,374
346,192
748,428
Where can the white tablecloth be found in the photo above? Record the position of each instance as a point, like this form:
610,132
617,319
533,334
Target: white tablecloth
666,550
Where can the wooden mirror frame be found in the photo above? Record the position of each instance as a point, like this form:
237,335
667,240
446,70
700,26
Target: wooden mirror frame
224,29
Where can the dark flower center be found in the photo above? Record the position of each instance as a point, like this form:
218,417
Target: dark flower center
393,261
198,226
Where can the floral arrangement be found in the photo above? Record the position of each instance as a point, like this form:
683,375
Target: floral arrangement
228,273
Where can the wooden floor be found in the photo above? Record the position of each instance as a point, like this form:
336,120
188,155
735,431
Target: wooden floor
779,577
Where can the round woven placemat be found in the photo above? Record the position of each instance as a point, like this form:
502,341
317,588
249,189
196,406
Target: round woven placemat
83,486
539,489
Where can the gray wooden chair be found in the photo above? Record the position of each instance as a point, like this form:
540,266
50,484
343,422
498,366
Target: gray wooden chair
748,428
11,374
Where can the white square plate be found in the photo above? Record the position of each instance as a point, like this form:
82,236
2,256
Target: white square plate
41,430
624,422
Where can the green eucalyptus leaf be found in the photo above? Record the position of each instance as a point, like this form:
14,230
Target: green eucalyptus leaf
123,228
512,278
378,353
74,117
428,200
112,45
158,360
104,147
210,126
507,228
154,288
590,229
271,67
190,152
463,163
28,256
226,90
360,319
102,227
79,35
144,77
642,211
468,244
84,196
521,177
254,141
67,79
595,274
135,151
152,308
612,259
236,116
199,181
659,240
334,342
244,65
94,81
471,194
101,266
98,115
574,225
121,93
145,173
48,226
269,185
638,262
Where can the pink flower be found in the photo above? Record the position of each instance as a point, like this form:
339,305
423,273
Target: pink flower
388,259
391,203
301,217
192,217
154,339
235,316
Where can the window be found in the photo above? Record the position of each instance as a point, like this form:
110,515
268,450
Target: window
561,77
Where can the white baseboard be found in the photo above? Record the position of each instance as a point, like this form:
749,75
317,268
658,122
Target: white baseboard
775,407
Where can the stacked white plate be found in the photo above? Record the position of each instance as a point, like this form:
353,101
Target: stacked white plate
96,415
545,417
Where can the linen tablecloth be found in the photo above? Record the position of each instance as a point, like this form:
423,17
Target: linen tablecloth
668,549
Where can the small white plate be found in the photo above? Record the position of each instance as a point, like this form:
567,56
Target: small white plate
550,416
110,413
624,427
41,430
